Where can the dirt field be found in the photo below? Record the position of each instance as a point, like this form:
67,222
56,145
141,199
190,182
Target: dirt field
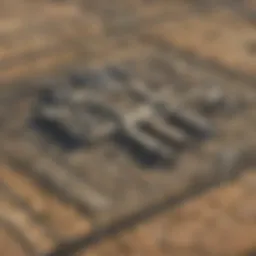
220,222
216,38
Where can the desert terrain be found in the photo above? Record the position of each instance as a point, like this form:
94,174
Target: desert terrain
43,38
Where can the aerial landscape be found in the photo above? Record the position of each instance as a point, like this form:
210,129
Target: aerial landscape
127,128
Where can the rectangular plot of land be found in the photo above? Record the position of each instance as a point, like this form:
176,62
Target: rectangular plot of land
34,216
15,220
187,131
60,219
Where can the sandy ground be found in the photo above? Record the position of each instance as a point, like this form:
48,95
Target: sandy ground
219,222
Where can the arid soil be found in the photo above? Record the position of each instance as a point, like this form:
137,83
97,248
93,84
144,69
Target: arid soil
34,43
220,222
